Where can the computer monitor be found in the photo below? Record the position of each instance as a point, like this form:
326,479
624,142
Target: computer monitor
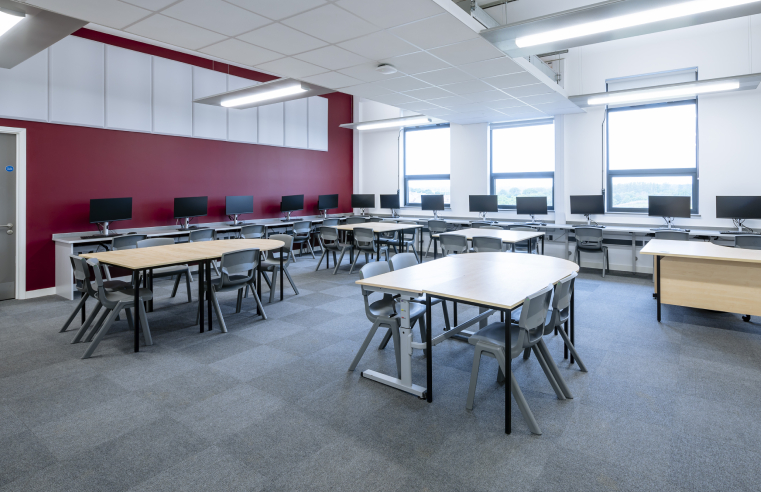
327,202
363,202
588,205
668,207
188,207
238,205
391,202
531,205
432,202
483,204
738,208
291,203
106,210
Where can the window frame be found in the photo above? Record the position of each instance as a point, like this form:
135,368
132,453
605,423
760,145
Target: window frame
646,173
421,177
493,177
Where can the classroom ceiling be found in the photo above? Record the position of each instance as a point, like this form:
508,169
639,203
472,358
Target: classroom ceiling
445,68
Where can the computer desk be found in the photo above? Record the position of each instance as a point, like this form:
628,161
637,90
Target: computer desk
507,237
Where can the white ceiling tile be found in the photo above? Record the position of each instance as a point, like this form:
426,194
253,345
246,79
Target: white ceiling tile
283,39
151,4
402,84
528,90
278,9
172,31
379,45
332,57
553,110
291,67
332,80
450,101
491,68
445,76
368,73
438,112
109,13
366,90
504,104
416,63
552,97
330,24
418,106
393,99
467,87
472,50
429,93
240,52
435,31
467,107
216,15
514,80
487,96
518,110
390,13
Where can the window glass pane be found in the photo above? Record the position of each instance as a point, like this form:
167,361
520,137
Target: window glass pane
523,149
427,151
417,187
508,189
661,137
632,191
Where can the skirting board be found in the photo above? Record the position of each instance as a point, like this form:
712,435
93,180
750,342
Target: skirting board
32,294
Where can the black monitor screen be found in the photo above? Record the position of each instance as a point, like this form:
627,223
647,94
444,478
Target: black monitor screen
668,206
237,205
363,201
193,206
327,202
738,207
484,203
110,209
531,205
432,202
587,204
292,202
390,201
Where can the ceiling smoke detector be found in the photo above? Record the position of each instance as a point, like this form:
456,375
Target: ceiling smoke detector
386,69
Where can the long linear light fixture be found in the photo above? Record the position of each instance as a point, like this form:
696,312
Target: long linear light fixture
8,19
614,19
390,123
263,96
671,92
276,91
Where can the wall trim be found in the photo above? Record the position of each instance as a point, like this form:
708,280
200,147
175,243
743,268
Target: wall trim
20,229
33,294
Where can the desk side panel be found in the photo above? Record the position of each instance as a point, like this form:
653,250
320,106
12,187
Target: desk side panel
64,276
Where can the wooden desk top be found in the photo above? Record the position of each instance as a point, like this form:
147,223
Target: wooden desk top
700,249
506,236
174,254
378,226
500,280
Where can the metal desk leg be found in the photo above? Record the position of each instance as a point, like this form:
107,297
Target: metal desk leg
282,252
420,244
634,252
136,321
572,316
565,347
567,244
658,284
455,311
150,287
435,247
208,293
428,347
508,379
201,291
401,236
542,244
259,284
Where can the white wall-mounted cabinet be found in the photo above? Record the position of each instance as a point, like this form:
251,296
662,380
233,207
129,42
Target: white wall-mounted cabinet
296,123
242,124
318,123
77,82
271,124
128,90
209,121
24,91
172,97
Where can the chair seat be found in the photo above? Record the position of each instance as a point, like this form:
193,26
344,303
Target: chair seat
591,247
112,285
494,334
240,281
421,300
382,307
270,264
128,295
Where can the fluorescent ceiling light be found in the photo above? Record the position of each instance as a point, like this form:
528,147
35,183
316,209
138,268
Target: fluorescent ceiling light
663,93
390,123
631,20
263,96
8,19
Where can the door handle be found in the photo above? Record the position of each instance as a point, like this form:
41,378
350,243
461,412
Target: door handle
8,225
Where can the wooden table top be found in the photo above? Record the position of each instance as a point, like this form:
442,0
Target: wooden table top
700,249
506,236
378,226
500,280
174,254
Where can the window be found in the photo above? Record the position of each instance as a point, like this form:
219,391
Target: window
523,161
426,163
652,150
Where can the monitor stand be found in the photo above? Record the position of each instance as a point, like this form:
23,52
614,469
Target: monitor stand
670,227
394,214
361,212
287,217
534,222
324,214
235,220
185,226
482,215
105,233
435,215
589,222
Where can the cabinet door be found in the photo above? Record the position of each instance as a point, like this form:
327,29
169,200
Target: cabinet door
77,82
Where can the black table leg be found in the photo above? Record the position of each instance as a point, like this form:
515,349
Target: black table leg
150,287
282,252
420,243
658,284
565,347
435,247
428,347
208,293
572,328
201,291
259,284
136,322
542,244
508,379
84,309
455,312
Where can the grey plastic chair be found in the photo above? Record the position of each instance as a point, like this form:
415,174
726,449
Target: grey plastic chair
237,273
672,235
589,239
375,219
434,227
491,341
127,241
561,312
331,222
748,241
409,239
364,242
494,227
484,244
356,220
477,224
330,240
302,234
383,312
272,264
452,243
114,302
178,270
325,223
252,232
406,260
523,246
199,235
86,289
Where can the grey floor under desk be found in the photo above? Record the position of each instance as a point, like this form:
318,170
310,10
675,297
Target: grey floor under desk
271,406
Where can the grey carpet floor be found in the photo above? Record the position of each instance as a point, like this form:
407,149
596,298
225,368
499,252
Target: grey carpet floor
271,406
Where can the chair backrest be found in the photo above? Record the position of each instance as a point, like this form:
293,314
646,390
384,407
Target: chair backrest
202,235
155,241
356,220
402,260
252,232
102,295
494,227
588,236
534,313
748,241
302,227
437,226
329,234
454,243
288,240
521,228
330,222
484,244
364,235
82,275
476,224
128,241
561,303
409,234
238,267
386,304
672,235
375,219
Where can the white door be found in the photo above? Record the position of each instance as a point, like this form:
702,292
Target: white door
7,216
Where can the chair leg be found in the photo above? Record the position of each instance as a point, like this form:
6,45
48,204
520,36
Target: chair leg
416,255
83,329
258,301
447,324
102,332
188,278
385,340
554,369
473,378
99,324
273,287
548,373
239,300
338,262
528,416
368,339
129,319
526,354
356,258
80,307
190,275
176,285
321,257
290,280
218,310
309,246
144,324
572,349
216,270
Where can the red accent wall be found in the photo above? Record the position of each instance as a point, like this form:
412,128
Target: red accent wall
68,165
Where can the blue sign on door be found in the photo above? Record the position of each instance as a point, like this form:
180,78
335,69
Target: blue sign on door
9,168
